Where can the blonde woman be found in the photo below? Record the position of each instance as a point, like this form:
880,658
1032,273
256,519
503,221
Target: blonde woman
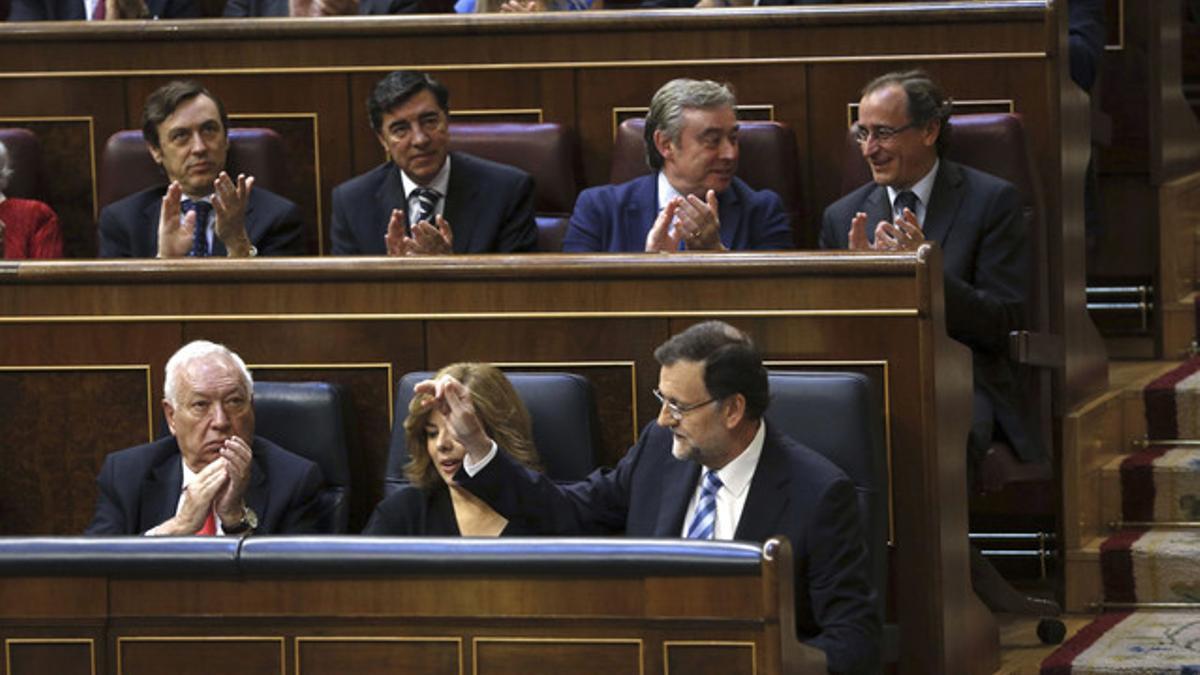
432,504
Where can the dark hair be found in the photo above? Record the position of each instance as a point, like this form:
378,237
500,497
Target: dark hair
732,364
926,100
164,101
399,86
670,101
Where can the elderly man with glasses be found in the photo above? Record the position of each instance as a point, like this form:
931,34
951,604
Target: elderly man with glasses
708,468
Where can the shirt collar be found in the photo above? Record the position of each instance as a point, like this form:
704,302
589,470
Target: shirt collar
666,191
440,182
922,188
736,475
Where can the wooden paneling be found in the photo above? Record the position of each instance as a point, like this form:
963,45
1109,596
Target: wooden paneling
696,657
518,656
199,655
382,655
36,656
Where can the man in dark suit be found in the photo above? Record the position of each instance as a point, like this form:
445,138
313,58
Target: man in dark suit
100,10
212,475
976,218
692,200
202,211
708,469
426,199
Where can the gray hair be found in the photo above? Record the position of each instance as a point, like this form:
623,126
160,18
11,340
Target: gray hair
6,171
192,351
668,104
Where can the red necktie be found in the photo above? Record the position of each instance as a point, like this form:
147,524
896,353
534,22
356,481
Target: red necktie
98,13
209,528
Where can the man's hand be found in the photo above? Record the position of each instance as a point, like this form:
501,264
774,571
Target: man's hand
394,239
429,240
230,500
700,223
663,237
197,501
174,234
229,203
453,399
858,233
322,7
903,235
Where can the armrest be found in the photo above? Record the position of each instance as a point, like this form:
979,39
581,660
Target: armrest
1037,349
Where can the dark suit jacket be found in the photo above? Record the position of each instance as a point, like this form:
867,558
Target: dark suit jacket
489,207
129,226
976,218
280,7
618,217
139,487
72,10
795,492
413,511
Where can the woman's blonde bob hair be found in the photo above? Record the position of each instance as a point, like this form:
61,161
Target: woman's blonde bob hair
498,407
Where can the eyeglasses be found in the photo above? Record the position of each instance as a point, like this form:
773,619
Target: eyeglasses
677,411
882,134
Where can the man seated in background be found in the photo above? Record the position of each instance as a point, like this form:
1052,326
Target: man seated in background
102,10
426,199
202,211
212,475
692,200
710,467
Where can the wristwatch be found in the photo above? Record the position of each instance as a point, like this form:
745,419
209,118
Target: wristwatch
249,522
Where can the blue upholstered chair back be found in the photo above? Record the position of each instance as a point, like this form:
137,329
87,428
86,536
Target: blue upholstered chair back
565,426
837,415
307,418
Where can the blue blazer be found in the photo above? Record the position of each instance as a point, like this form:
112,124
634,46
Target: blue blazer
129,226
489,207
977,220
72,10
795,492
616,218
138,488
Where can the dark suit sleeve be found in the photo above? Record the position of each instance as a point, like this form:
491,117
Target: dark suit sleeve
1086,35
829,238
341,231
839,593
518,231
772,229
109,517
114,236
586,224
237,8
303,506
174,9
284,235
28,10
981,311
399,514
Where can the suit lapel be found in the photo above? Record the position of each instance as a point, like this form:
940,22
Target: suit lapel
462,204
678,485
768,498
944,202
729,210
878,207
160,498
258,493
389,196
641,211
151,213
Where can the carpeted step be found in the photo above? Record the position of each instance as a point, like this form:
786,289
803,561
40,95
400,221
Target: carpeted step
1141,642
1173,403
1159,484
1154,565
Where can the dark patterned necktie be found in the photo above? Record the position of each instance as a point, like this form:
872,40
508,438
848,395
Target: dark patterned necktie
906,200
427,202
200,234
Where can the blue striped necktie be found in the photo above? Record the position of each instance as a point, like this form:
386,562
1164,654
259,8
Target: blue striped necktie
704,523
200,234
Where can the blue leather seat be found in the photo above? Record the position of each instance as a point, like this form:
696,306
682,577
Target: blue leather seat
565,427
307,418
837,415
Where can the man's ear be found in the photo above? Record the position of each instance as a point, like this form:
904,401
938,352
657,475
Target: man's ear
931,132
155,152
662,143
169,413
383,143
734,410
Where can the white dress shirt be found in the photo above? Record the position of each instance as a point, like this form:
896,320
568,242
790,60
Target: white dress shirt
731,497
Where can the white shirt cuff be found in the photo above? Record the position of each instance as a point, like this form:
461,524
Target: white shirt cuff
473,469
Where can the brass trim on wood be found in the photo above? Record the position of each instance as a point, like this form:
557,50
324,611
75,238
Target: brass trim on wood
122,639
667,644
8,642
618,110
339,366
485,112
852,106
376,638
89,367
91,125
476,641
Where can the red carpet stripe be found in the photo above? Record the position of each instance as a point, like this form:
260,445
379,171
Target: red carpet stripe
1137,485
1116,565
1159,397
1059,663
